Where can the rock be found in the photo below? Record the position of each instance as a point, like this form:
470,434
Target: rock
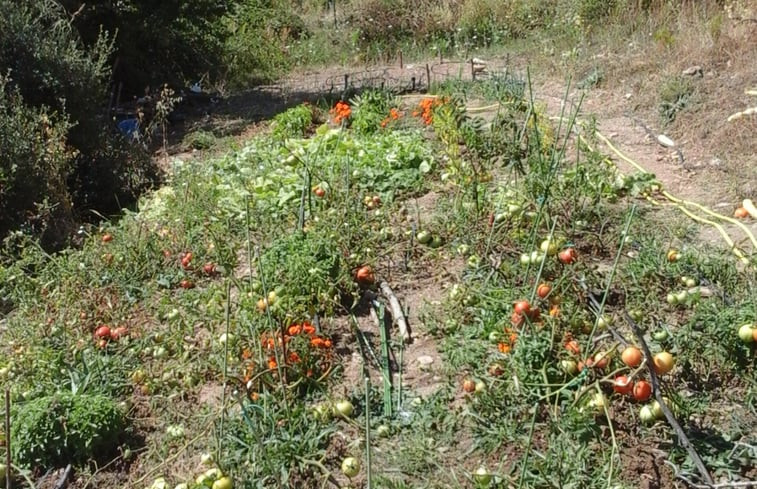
695,70
425,360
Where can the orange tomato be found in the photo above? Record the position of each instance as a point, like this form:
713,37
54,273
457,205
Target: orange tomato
663,363
573,347
631,356
543,290
740,213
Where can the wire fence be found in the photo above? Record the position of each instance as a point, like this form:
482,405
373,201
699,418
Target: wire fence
399,78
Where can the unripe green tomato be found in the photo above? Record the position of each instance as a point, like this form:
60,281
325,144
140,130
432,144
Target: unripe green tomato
646,414
423,237
223,483
570,367
350,467
746,333
657,410
660,335
482,476
344,408
383,431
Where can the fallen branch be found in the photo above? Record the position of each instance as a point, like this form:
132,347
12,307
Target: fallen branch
683,439
397,314
63,479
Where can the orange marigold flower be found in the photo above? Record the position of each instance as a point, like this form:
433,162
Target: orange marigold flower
317,342
272,363
293,357
504,348
340,111
327,343
308,328
246,354
254,396
394,113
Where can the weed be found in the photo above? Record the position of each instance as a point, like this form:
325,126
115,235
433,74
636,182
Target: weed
675,95
54,430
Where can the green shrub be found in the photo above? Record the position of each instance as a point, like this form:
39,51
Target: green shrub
76,158
369,109
33,169
169,41
52,431
255,49
293,122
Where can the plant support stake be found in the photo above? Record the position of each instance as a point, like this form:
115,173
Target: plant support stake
8,466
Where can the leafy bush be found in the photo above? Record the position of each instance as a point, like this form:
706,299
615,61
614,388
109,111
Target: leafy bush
55,430
155,42
370,108
258,33
293,122
53,80
33,166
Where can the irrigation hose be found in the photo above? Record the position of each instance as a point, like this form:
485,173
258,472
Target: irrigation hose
681,201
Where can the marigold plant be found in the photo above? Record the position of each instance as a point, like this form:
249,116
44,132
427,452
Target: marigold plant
340,112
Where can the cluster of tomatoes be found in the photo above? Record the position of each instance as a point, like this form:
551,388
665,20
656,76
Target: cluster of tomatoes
104,334
209,268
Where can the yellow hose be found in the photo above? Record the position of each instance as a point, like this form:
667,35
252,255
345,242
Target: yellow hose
681,203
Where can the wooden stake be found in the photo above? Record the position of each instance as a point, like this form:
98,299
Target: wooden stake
428,78
8,469
397,314
400,59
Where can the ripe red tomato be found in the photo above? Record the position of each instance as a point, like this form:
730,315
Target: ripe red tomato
642,391
209,268
543,290
186,284
567,256
118,333
522,307
365,275
102,331
622,385
469,385
107,238
588,363
319,192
